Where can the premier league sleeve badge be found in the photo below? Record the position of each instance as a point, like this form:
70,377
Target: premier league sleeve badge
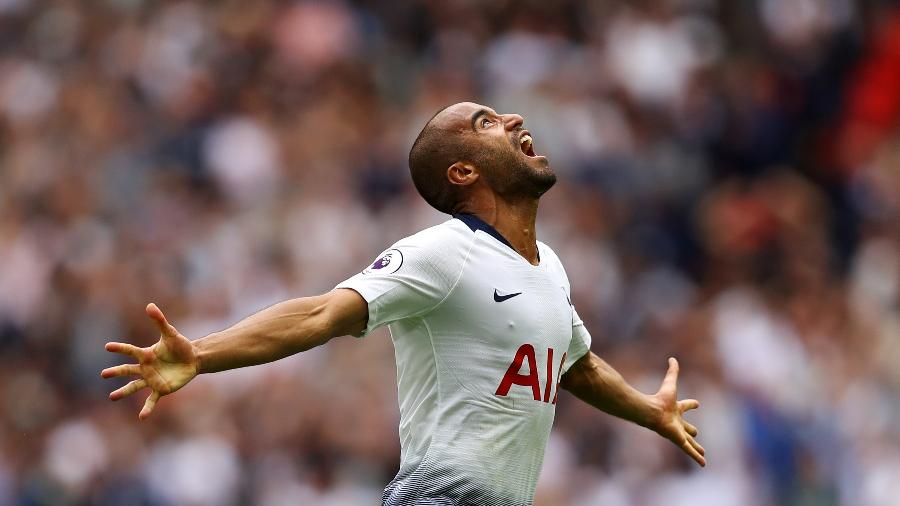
388,262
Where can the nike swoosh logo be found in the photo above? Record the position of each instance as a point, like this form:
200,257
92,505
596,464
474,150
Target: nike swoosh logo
501,298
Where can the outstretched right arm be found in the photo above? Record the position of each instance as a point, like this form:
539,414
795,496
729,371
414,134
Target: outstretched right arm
276,332
282,330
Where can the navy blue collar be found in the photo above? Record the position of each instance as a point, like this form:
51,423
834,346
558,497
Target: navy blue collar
476,224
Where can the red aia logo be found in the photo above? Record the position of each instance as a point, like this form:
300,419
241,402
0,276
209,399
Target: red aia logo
525,353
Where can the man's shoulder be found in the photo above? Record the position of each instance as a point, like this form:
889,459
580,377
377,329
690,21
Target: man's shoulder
433,256
554,264
548,254
442,248
446,235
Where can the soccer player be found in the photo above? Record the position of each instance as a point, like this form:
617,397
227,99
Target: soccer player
481,319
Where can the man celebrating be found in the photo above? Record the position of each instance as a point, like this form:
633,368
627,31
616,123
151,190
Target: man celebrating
480,315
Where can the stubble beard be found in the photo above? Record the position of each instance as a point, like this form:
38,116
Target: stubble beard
516,179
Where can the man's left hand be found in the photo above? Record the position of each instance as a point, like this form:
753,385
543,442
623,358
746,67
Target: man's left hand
671,423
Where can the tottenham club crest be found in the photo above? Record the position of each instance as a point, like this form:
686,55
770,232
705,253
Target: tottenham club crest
388,263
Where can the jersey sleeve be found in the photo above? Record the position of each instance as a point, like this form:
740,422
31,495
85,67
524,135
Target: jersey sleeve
407,280
580,343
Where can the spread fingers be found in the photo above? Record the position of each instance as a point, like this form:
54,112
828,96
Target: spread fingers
128,389
149,404
688,448
125,349
121,370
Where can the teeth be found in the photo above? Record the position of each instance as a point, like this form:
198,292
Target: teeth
525,143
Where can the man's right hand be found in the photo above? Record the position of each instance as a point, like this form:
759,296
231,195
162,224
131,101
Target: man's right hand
164,367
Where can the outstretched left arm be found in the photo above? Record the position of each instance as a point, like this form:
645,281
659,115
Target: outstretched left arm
595,382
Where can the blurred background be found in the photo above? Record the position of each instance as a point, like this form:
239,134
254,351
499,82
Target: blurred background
729,193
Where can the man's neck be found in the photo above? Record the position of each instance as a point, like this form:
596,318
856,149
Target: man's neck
514,221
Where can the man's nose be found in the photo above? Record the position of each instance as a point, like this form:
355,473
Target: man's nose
513,121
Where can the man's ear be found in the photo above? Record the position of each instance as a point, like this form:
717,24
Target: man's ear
462,174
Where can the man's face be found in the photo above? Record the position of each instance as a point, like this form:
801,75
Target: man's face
500,149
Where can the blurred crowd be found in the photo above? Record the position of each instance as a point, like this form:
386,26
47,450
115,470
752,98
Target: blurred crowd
729,194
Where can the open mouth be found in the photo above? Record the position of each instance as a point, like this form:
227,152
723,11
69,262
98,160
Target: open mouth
526,144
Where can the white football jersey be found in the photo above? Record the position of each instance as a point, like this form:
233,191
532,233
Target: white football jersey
481,338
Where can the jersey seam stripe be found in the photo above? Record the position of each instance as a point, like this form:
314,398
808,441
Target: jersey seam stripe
437,378
459,275
437,384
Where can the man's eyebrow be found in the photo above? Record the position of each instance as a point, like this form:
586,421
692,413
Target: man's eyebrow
478,114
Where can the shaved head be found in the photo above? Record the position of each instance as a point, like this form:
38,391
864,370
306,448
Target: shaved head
476,135
436,149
